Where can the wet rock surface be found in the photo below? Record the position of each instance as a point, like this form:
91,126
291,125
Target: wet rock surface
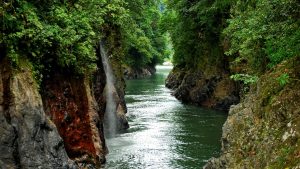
115,54
194,86
28,138
72,107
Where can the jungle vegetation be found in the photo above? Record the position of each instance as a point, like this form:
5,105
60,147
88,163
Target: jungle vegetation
257,34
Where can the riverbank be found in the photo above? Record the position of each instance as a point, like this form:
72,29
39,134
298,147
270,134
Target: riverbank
203,88
263,130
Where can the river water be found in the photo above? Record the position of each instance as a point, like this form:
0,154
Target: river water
163,133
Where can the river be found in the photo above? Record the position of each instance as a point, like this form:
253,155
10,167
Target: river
163,133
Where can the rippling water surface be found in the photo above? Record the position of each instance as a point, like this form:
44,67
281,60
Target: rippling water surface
163,133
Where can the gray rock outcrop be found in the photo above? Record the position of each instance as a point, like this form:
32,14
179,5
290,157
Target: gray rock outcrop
28,138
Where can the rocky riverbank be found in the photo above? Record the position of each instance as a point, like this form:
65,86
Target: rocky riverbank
263,130
212,90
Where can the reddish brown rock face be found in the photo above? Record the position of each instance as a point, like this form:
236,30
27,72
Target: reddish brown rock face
69,103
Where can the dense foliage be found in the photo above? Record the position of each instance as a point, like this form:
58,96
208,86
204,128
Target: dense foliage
145,44
57,32
195,28
254,34
66,33
264,32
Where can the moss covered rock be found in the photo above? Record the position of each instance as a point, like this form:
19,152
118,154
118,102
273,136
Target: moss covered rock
263,131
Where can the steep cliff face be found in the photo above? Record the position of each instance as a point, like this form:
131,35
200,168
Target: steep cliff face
263,131
77,104
59,124
62,120
68,100
203,87
28,137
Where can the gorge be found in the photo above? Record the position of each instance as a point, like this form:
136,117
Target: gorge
64,98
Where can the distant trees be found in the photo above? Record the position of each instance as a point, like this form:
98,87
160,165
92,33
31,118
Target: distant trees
195,28
144,43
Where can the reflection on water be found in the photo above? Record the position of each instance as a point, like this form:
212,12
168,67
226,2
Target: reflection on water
163,132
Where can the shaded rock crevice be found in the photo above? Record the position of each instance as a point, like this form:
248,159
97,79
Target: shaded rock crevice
15,152
5,92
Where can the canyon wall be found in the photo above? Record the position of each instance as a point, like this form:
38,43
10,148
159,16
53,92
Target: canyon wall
263,131
29,139
57,123
207,85
69,102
